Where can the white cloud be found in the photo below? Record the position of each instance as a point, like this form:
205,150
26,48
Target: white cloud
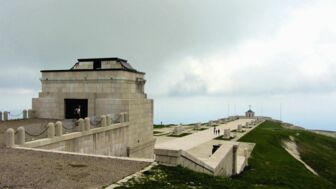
299,57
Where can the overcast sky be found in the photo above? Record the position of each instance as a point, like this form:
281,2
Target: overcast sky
203,59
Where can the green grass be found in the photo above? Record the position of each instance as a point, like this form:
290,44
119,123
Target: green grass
273,167
311,146
270,165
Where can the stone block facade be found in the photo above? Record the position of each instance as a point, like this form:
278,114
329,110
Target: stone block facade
103,86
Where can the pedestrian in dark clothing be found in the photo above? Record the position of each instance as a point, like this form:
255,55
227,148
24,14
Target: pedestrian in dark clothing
78,112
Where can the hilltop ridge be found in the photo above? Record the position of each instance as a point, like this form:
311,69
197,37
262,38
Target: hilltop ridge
270,165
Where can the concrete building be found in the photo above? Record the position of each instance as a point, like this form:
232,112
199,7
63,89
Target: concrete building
100,86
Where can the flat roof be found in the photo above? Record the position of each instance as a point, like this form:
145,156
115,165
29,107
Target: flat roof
91,70
106,58
126,66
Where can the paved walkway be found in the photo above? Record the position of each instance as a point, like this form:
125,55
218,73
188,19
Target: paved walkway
190,141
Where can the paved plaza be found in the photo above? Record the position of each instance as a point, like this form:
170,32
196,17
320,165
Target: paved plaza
198,138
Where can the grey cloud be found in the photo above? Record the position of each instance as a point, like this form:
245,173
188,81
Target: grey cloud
190,85
52,34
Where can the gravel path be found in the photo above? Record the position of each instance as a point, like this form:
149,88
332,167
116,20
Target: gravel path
32,169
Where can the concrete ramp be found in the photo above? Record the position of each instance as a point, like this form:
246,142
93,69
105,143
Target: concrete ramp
226,161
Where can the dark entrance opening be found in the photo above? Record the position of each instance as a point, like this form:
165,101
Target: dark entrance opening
96,64
215,148
70,106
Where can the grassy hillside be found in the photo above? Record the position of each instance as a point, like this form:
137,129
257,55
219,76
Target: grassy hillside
270,165
319,152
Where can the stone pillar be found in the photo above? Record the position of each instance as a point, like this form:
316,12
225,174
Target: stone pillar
31,114
108,120
239,128
227,134
10,138
5,115
21,136
197,126
234,159
177,130
0,116
87,124
81,124
103,120
59,128
51,130
24,114
122,117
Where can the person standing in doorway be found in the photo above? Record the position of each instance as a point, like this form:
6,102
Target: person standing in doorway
78,112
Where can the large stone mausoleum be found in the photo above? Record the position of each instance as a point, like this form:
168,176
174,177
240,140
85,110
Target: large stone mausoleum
100,86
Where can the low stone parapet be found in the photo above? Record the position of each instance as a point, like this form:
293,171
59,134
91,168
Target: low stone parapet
105,140
6,115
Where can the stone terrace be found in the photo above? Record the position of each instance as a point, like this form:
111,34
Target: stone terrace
35,169
194,151
190,141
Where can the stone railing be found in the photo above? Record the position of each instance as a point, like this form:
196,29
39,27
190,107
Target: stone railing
25,114
55,130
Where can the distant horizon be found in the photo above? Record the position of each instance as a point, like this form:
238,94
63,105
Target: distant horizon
158,122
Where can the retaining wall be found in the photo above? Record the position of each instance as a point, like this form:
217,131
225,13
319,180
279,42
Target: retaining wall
222,163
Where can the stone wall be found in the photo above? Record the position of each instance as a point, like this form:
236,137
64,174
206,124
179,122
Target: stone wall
110,140
221,163
141,140
96,86
109,92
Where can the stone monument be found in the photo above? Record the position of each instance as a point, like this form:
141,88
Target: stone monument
100,86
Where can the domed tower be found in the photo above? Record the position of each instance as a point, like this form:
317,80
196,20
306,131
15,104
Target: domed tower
249,113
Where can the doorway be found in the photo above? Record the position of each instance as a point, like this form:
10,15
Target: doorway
71,104
97,65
